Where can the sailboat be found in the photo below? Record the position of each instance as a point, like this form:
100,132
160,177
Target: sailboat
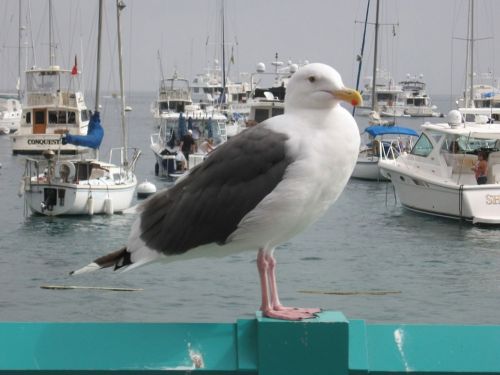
481,102
10,103
55,186
382,96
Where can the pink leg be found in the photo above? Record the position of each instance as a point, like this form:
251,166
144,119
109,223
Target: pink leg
262,267
275,302
270,305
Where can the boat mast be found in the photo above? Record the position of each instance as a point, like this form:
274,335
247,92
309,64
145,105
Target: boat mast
51,54
18,83
374,78
120,5
360,57
471,93
98,69
222,100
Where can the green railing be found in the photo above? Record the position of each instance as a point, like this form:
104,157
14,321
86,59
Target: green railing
329,344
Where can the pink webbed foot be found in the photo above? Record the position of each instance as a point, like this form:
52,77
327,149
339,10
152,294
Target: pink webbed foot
307,310
291,313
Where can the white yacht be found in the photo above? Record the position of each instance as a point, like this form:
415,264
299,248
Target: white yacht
85,186
10,113
438,176
417,103
54,105
381,143
175,114
388,96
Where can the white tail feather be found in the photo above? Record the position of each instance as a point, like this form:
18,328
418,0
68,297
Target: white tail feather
88,268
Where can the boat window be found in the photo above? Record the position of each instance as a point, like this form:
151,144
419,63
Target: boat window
85,115
261,115
423,147
52,117
470,117
39,117
452,145
61,117
71,118
277,111
385,96
28,117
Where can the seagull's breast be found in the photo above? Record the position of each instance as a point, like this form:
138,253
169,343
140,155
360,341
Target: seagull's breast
324,153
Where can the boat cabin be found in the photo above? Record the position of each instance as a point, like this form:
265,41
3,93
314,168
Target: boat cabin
453,154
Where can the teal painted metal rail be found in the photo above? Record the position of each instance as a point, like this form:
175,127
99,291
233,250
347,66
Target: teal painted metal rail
329,344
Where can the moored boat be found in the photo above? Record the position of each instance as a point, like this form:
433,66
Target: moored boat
383,143
438,176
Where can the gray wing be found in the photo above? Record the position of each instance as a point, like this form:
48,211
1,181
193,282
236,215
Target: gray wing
207,205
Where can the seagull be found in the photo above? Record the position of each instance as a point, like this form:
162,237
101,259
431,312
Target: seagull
257,190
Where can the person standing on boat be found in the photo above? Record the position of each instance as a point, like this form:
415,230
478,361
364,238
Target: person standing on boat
481,168
187,145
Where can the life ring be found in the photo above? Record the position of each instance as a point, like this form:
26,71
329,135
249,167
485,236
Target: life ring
65,170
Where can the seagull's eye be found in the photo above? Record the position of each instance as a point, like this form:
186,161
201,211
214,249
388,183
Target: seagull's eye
312,79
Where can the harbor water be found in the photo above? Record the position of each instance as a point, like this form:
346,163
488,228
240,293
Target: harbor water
367,257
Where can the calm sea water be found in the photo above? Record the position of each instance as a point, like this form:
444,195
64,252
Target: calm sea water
428,269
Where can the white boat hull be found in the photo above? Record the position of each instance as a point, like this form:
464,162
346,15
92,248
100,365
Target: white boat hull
81,199
29,144
477,203
366,169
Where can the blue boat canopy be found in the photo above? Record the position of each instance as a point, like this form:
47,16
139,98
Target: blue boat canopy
383,130
94,135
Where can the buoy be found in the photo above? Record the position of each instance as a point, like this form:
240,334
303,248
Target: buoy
108,206
90,205
145,189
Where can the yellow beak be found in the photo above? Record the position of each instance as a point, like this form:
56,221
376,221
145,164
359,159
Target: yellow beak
349,95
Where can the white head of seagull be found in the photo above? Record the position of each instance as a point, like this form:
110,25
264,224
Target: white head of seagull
317,86
257,190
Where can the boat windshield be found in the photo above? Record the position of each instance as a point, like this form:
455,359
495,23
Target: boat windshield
423,147
51,81
463,144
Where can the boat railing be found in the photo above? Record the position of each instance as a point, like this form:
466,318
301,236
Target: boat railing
175,95
391,149
66,99
41,99
155,139
117,156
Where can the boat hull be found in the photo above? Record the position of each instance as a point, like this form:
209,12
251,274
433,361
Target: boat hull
366,169
29,144
85,199
479,204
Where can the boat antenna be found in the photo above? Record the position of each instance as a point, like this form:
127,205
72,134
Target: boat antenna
374,78
161,65
360,56
120,5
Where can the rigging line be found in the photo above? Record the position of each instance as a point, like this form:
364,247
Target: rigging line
360,56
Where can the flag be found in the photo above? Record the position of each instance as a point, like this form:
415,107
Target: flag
74,71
